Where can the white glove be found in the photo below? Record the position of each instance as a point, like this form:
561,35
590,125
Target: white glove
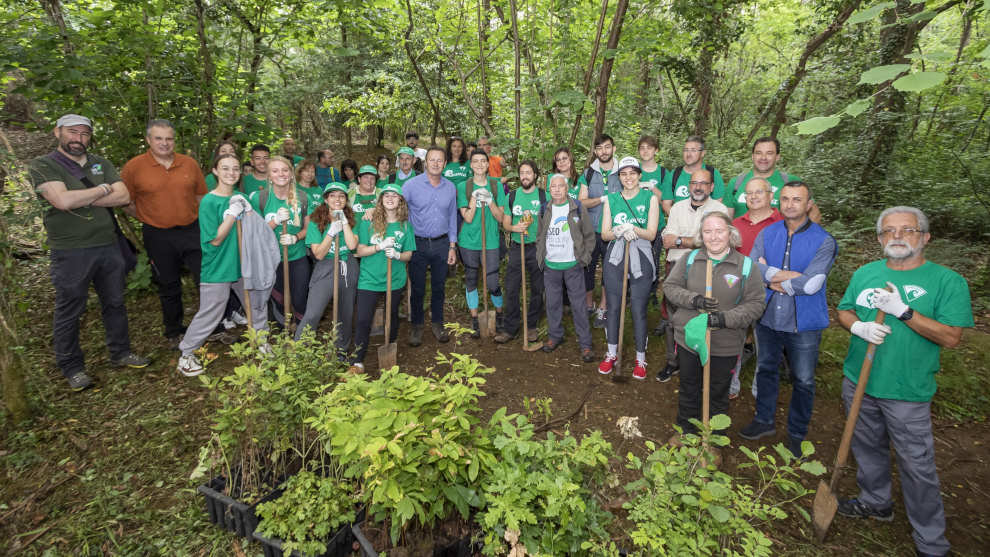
339,215
386,243
481,197
630,235
241,200
288,239
282,215
392,253
620,229
870,331
233,210
335,228
889,301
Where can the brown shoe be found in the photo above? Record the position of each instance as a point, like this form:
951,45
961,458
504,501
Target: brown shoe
550,345
533,336
503,337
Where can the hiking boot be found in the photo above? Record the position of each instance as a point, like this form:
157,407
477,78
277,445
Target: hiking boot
667,372
228,324
854,508
607,365
533,336
587,355
131,360
599,318
500,322
190,366
475,328
794,445
639,371
416,335
173,340
222,336
79,381
756,429
660,329
238,318
439,332
503,337
550,345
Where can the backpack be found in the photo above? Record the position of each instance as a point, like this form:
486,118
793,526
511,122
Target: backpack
747,267
543,199
263,200
737,181
680,169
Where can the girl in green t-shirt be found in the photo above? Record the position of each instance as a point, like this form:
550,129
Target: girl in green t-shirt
332,224
220,273
388,235
563,164
306,182
486,192
225,148
283,208
457,170
629,222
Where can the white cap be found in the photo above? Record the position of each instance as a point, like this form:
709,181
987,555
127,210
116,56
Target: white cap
73,120
626,162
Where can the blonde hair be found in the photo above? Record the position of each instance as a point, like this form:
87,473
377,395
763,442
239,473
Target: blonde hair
293,198
379,221
735,238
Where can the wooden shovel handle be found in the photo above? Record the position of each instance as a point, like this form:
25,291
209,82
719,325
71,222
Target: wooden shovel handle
388,300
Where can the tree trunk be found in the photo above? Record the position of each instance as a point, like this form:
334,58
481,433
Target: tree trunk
587,74
484,8
643,95
703,84
148,83
517,84
677,97
605,74
419,73
54,10
778,105
209,72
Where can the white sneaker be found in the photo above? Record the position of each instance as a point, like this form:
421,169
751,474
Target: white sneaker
228,324
190,366
238,319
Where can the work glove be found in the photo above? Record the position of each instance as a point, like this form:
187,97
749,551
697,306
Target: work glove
870,331
703,303
233,210
630,235
335,228
481,197
716,320
282,215
889,301
241,200
620,229
288,239
386,243
392,253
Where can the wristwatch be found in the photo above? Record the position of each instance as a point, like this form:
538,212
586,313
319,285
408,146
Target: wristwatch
907,315
678,242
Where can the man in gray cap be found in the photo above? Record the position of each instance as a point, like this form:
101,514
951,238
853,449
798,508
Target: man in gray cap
80,189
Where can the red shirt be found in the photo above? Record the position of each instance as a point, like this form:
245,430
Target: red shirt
749,230
164,197
495,166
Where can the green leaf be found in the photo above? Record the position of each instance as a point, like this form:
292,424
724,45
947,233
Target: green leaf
923,16
813,467
720,514
856,108
919,81
817,125
869,13
720,421
880,74
610,53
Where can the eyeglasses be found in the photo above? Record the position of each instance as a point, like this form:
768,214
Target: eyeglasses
899,232
692,150
698,183
562,159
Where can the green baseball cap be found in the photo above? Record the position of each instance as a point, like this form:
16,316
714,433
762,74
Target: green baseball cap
694,336
334,186
391,188
406,151
368,169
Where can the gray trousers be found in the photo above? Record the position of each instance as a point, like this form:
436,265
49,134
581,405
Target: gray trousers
212,303
908,425
554,284
640,290
320,294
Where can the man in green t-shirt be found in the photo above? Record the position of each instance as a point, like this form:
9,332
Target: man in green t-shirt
523,205
405,158
927,307
766,155
258,177
79,190
676,185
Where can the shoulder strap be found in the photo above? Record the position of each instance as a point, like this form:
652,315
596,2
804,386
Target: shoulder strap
392,177
512,198
675,177
543,200
746,268
786,177
736,182
690,261
262,201
587,175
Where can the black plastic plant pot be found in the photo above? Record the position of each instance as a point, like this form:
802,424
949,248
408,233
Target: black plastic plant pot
337,546
462,547
229,513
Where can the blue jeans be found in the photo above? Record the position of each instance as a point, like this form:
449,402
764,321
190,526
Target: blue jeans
432,255
802,355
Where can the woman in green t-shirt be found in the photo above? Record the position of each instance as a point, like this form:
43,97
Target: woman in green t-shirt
225,148
283,208
220,273
457,170
629,222
563,164
388,235
481,190
384,167
349,172
364,196
306,182
332,224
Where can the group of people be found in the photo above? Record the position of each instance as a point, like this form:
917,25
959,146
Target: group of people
747,259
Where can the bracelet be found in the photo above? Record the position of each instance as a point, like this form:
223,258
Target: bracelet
106,189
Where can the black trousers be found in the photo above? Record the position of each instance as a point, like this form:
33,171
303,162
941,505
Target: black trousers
689,396
597,254
513,286
168,250
367,301
299,272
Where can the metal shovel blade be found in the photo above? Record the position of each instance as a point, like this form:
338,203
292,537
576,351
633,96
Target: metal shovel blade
483,323
823,510
386,355
489,331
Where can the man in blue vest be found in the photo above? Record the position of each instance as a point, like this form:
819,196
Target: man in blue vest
794,256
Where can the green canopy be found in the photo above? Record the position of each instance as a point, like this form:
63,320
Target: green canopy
694,336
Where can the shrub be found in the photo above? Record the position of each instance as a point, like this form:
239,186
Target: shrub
309,511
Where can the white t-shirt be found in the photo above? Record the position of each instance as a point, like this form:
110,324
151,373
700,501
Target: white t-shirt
560,244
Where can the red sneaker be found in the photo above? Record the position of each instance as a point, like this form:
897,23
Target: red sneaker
639,372
606,366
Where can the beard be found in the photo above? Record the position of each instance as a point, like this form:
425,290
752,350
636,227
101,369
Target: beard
900,250
74,148
526,184
699,197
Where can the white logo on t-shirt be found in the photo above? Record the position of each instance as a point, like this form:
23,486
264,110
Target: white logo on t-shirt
620,218
865,298
682,191
912,292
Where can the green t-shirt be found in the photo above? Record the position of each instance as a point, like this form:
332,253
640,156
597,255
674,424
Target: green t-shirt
250,184
374,267
905,365
653,179
470,235
738,201
220,263
211,180
315,196
635,210
272,205
82,227
314,236
681,190
524,203
360,203
456,172
296,159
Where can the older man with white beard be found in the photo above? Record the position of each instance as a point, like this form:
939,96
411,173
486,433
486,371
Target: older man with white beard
928,306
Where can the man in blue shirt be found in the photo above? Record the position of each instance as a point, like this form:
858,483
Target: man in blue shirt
325,172
432,201
794,257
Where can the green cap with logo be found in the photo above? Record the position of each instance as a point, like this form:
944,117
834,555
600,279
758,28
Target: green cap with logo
334,186
394,188
405,150
368,169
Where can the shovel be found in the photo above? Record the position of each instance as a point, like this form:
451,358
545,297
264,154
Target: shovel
247,296
525,309
617,376
336,278
486,319
386,352
706,378
825,505
287,299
